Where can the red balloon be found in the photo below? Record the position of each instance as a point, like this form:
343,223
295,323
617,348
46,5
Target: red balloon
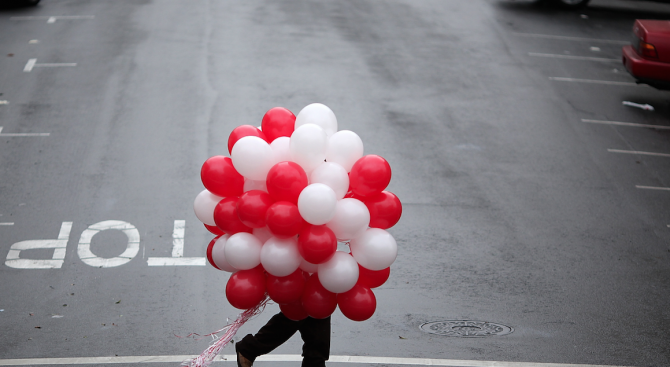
285,181
221,178
283,219
277,122
242,131
385,209
286,289
372,278
357,304
317,244
214,230
252,206
209,252
317,300
225,217
293,311
246,288
370,175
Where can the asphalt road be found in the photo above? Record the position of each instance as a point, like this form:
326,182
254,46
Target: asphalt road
523,204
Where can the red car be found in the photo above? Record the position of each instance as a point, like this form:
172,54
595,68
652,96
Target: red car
648,58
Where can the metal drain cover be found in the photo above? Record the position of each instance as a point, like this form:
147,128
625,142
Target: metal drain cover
465,328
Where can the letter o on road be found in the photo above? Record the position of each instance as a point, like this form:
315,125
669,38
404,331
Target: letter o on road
132,248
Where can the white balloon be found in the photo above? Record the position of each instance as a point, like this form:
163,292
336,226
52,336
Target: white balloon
333,175
255,185
204,205
308,146
263,234
318,114
376,249
252,157
243,251
339,274
308,266
219,255
351,219
280,149
280,257
345,148
317,203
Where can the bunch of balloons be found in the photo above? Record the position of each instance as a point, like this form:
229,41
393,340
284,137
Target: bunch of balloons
289,192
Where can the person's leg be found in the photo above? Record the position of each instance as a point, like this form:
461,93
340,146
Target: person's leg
278,330
316,336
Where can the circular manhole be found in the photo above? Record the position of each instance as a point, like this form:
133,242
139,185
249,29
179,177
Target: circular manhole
465,328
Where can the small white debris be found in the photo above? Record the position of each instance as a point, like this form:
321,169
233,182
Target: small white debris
57,316
4,102
33,41
584,16
645,107
595,49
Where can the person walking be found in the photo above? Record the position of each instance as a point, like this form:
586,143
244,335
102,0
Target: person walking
315,334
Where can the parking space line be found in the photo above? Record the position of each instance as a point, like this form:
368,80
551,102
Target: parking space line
12,135
652,188
638,152
573,57
287,358
566,38
591,81
631,124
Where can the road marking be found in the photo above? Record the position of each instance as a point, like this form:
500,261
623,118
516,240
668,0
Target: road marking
566,38
619,123
22,134
52,19
59,245
6,223
4,102
177,258
572,57
29,65
652,188
32,63
638,152
287,358
591,81
132,248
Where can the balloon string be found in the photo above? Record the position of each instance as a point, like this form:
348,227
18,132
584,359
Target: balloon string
206,358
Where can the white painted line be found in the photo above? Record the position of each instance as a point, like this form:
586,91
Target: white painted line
565,38
177,258
6,223
572,57
4,102
591,81
652,188
287,358
32,63
638,152
52,19
54,65
177,261
631,124
29,65
14,135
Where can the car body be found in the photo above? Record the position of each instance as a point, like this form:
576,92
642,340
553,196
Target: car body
647,59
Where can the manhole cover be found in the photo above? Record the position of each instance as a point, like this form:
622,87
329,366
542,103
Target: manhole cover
466,328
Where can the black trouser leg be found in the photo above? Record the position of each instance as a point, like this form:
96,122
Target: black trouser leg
316,336
278,330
